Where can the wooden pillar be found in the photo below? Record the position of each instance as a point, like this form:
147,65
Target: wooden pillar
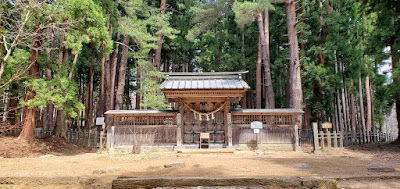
226,111
316,142
229,120
328,138
179,129
181,111
296,139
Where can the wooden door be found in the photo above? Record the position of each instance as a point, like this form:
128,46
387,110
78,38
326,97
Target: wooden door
193,126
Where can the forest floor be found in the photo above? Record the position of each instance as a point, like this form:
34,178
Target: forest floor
64,165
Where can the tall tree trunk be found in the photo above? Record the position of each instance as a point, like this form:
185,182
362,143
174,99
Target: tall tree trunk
61,51
60,125
173,60
353,115
361,104
157,56
396,80
28,128
48,113
347,103
100,105
166,64
295,100
89,107
243,64
113,70
122,73
345,116
339,108
12,107
183,66
71,72
269,90
258,75
307,115
48,120
369,104
107,85
6,99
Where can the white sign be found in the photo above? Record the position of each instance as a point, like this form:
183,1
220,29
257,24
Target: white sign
256,131
99,120
256,125
327,125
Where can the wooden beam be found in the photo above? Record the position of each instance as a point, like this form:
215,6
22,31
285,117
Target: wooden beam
226,111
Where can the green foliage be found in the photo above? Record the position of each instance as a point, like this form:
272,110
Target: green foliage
149,82
63,96
87,23
246,12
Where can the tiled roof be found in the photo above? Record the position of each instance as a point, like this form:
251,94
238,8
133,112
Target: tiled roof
204,80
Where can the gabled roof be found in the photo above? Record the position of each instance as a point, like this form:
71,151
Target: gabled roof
204,80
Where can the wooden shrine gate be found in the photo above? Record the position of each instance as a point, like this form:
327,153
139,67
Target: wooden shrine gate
193,125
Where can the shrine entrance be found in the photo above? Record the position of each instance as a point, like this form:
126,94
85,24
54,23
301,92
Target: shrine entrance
204,117
203,101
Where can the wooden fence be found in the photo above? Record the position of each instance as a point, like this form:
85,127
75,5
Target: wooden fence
134,128
91,138
126,136
351,138
268,135
328,139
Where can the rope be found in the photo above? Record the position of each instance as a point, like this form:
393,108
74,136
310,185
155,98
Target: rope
205,114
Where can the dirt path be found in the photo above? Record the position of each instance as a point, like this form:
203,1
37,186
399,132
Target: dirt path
96,170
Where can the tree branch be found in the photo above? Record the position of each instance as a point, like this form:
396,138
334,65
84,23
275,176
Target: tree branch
116,42
299,21
5,43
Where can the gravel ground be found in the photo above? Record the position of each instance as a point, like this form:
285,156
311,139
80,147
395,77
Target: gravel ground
67,170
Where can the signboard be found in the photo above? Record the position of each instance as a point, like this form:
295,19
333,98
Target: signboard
99,120
256,125
327,125
256,131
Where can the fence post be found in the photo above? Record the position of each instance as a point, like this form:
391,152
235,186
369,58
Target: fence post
316,141
112,137
88,138
76,138
328,138
95,139
378,136
335,139
296,135
322,139
101,136
341,139
70,136
351,138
